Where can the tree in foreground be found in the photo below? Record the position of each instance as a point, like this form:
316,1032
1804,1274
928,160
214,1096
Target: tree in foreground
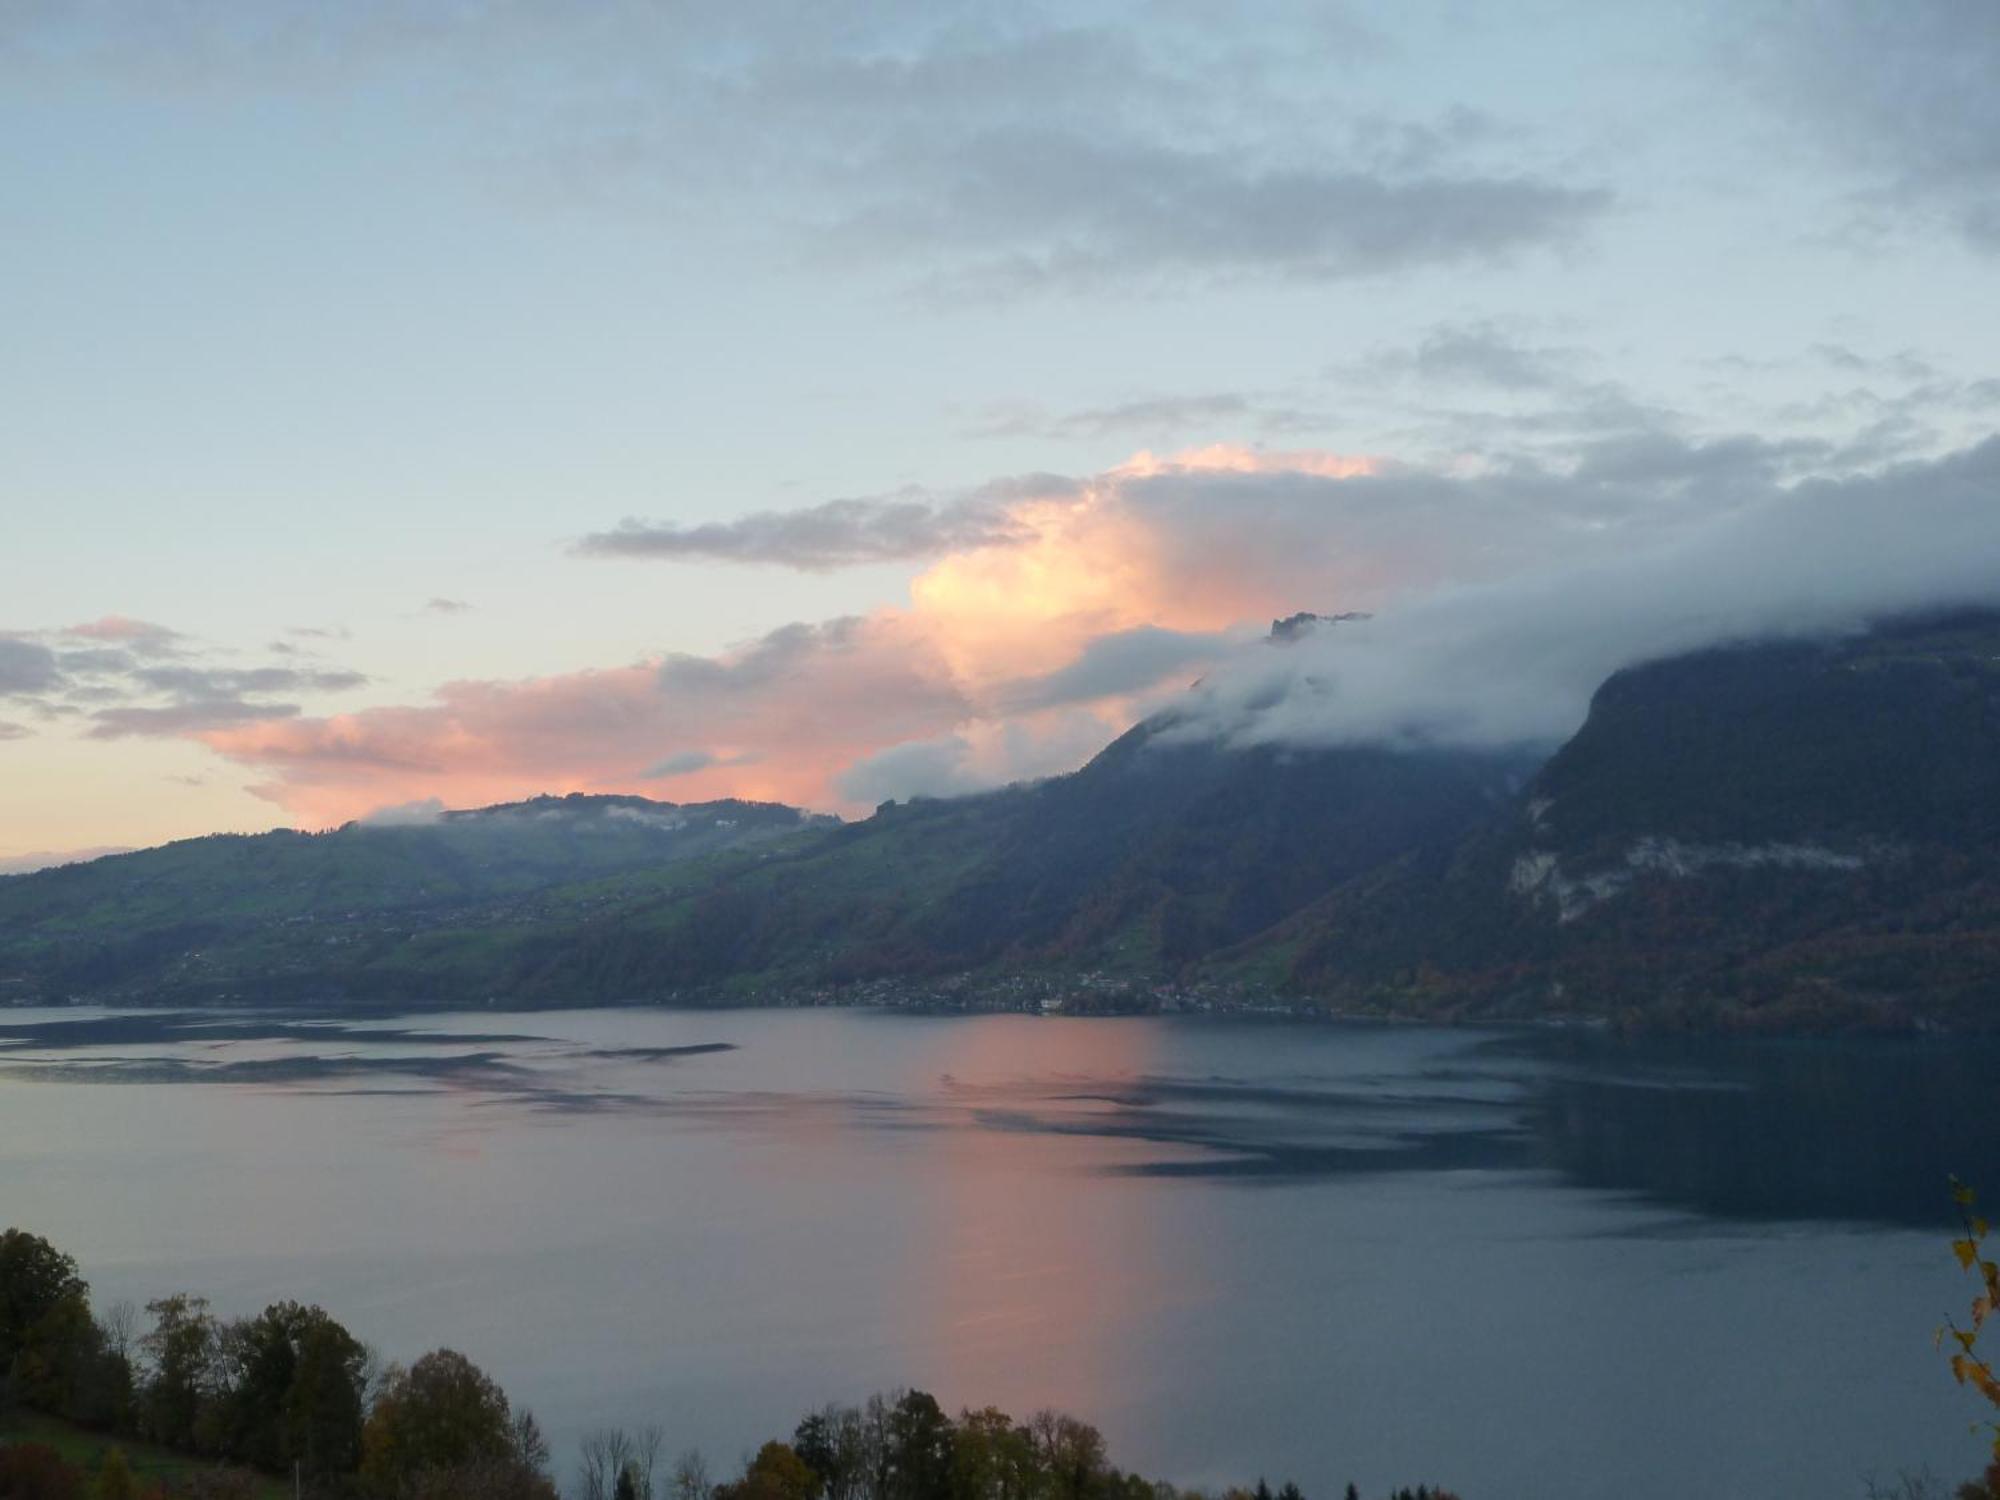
1968,1365
776,1473
442,1429
45,1328
297,1393
183,1358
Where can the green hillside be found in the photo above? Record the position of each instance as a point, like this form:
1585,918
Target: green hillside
1794,833
294,914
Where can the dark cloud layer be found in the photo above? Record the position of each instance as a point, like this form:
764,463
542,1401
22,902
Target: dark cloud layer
185,717
123,678
835,534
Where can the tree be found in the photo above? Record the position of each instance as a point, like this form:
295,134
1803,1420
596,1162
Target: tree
606,1457
35,1280
1072,1454
181,1354
101,1390
691,1481
776,1473
45,1327
1968,1366
442,1413
321,1418
992,1458
918,1463
297,1392
832,1444
529,1445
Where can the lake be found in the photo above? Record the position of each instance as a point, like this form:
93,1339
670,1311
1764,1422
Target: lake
1524,1264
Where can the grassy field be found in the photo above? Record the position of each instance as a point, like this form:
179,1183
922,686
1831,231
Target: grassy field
149,1462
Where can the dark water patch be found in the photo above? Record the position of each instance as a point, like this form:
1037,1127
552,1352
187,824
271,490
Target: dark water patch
170,1027
1261,1146
1766,1130
485,1068
659,1054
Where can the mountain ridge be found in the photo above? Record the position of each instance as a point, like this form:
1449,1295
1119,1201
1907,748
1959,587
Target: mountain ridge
1792,834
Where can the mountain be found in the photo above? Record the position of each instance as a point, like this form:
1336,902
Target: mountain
277,915
1785,833
1791,834
1154,855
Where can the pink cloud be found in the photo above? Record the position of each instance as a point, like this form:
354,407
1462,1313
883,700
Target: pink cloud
950,674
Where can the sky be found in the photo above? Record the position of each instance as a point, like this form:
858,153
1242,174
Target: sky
430,404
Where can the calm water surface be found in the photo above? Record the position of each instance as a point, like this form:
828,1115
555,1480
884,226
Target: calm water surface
1524,1265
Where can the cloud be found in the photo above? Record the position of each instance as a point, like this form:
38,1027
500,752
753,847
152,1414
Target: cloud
1139,149
203,698
419,814
1901,95
189,716
1516,660
1502,591
46,859
919,768
1124,146
140,637
791,706
214,682
26,667
834,534
1149,414
1117,665
1484,353
441,606
979,756
11,731
126,678
1165,417
682,763
687,762
1032,210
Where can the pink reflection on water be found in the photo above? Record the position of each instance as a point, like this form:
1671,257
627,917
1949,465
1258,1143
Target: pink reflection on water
1036,1272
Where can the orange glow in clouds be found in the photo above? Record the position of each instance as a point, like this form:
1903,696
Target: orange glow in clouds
783,718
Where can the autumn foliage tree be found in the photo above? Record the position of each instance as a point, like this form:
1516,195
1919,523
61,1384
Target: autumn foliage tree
1968,1365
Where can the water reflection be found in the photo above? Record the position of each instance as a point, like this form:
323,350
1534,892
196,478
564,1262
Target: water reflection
1030,1284
1327,1251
